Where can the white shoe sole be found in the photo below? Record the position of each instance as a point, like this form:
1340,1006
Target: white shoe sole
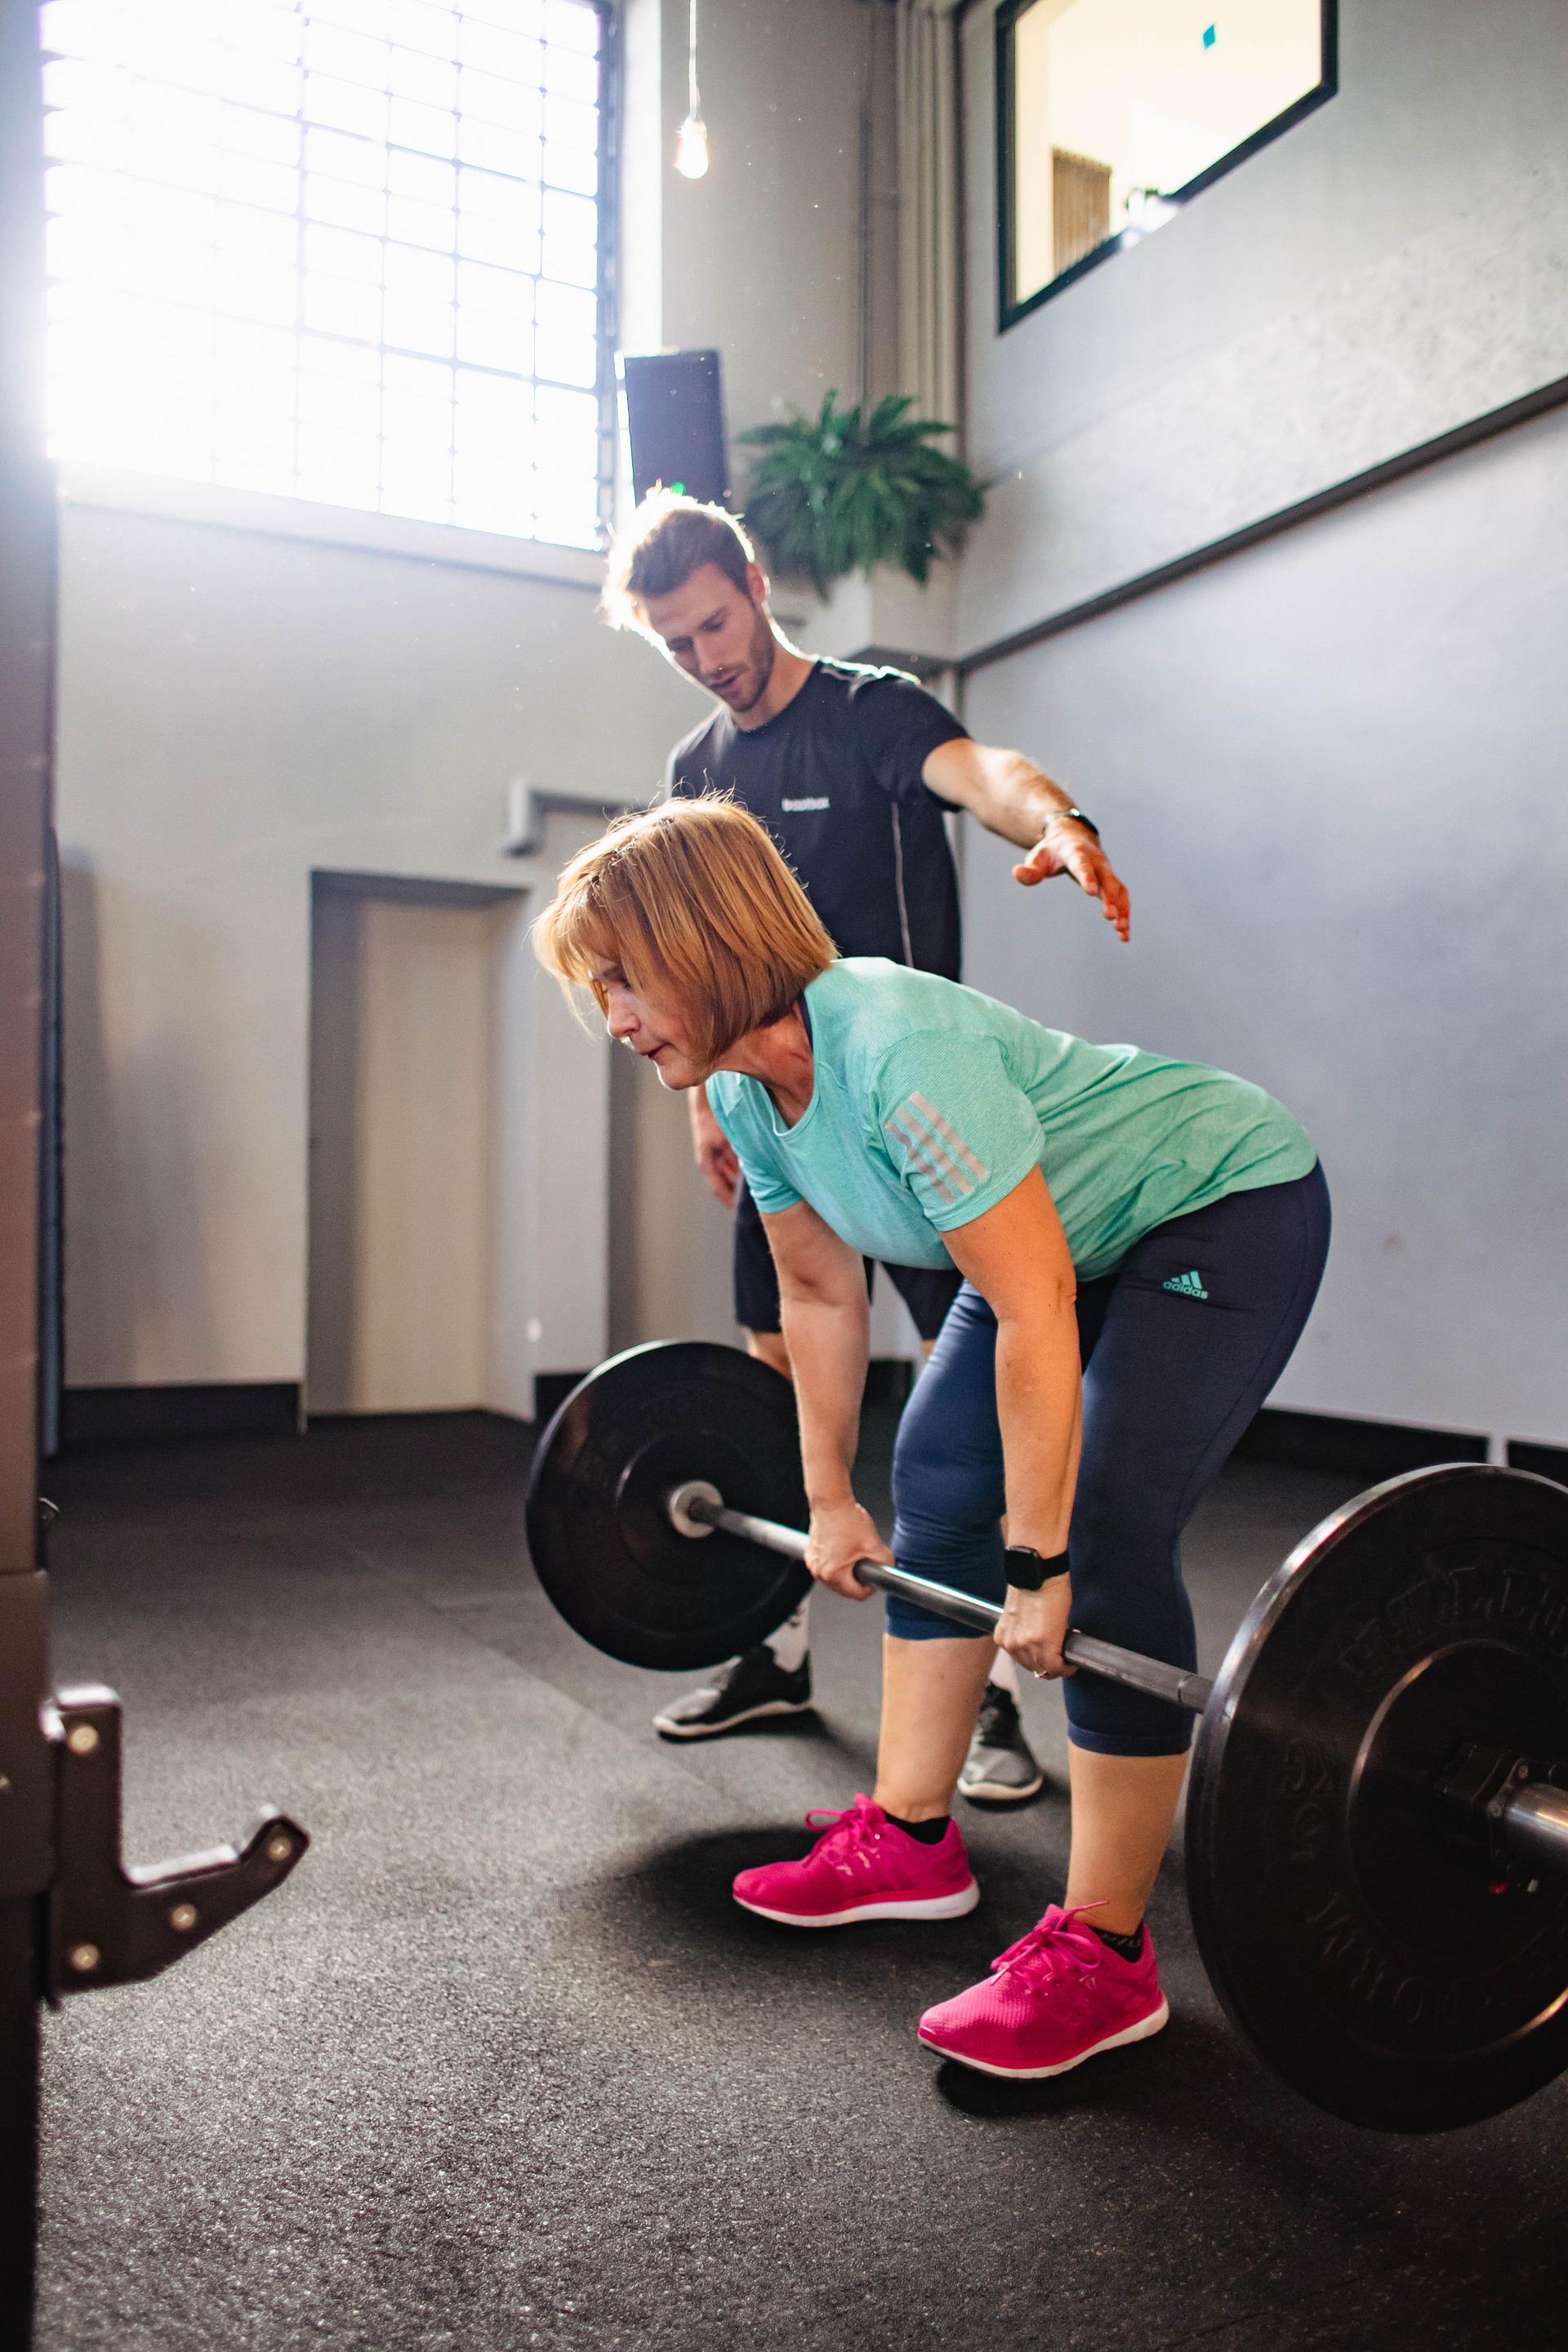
931,1907
998,1792
668,1730
1138,2033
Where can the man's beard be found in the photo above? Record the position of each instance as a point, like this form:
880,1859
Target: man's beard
764,649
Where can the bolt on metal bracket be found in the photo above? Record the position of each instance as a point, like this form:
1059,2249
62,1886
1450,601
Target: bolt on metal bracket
110,1925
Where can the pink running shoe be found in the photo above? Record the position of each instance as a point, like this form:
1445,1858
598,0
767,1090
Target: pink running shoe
1054,1999
862,1867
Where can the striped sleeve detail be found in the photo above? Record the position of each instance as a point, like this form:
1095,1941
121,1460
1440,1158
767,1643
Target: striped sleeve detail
951,1136
934,1150
919,1160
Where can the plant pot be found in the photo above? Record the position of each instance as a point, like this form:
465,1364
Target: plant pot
884,616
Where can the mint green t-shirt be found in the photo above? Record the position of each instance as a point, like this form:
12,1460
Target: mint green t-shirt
931,1103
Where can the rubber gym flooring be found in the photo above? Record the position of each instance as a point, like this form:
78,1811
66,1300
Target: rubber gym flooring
502,2066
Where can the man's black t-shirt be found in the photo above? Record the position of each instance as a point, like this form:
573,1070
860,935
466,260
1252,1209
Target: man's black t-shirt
836,778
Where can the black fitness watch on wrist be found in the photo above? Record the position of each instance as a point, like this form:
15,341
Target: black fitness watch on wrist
1028,1568
1074,815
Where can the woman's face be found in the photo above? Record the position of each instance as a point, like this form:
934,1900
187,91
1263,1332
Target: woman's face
655,1031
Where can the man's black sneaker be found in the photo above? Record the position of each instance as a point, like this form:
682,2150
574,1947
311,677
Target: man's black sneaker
1001,1768
751,1686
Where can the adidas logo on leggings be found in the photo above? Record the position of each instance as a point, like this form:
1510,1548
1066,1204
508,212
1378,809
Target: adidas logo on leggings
1186,1286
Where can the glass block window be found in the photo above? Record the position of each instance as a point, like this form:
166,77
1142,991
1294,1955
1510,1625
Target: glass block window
339,249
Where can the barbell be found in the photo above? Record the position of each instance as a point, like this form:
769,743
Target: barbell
1377,1812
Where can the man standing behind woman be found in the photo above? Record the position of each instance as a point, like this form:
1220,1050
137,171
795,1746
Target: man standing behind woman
852,771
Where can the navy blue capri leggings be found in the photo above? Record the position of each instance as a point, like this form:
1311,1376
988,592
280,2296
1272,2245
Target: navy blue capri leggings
1180,1346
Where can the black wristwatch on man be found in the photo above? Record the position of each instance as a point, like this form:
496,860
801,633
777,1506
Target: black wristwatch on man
1074,815
1028,1568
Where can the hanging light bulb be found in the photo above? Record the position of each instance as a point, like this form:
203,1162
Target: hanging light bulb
691,142
691,148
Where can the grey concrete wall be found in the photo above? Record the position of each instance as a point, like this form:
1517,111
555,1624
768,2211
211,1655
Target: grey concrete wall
1391,267
234,711
1329,767
762,257
238,705
1332,773
1289,753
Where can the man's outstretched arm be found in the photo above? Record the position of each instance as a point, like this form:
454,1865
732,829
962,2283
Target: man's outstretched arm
1013,798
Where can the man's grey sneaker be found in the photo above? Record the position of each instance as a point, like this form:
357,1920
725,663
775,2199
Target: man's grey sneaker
1001,1768
751,1686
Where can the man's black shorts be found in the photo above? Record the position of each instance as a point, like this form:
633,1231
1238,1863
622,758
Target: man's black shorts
928,1292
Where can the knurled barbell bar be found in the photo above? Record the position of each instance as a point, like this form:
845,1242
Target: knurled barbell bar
1377,1815
1528,1816
698,1508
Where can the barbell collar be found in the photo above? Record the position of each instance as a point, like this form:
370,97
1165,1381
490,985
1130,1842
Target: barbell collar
1535,1825
697,1501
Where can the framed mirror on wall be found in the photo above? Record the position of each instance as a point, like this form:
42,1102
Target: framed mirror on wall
1111,114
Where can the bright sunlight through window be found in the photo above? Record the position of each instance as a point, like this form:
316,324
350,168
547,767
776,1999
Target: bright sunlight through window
340,249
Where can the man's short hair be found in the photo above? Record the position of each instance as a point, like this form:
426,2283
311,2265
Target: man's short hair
671,537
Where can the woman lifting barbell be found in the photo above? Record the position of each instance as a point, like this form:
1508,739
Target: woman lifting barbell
1141,1239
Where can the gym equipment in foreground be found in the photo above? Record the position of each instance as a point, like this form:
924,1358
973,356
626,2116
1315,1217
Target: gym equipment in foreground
1377,1817
72,1918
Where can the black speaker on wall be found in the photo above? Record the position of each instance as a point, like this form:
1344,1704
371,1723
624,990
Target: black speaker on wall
674,421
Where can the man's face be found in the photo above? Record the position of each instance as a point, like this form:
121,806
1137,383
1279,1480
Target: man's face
719,634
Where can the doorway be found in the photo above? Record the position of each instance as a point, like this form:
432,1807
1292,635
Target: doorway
403,1144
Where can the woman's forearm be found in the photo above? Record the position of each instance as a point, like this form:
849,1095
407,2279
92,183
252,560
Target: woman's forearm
829,1345
1039,1405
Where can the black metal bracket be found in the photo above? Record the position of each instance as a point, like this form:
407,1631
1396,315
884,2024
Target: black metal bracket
1477,1783
1474,1787
110,1925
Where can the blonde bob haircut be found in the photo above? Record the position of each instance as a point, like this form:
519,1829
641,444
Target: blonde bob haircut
692,901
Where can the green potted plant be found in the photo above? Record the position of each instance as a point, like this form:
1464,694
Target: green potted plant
848,490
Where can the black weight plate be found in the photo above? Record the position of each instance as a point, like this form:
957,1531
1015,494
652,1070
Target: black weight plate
598,1533
1361,1946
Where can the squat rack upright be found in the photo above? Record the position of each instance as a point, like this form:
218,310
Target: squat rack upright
72,1919
27,532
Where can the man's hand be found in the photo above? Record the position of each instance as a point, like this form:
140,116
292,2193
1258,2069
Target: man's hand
841,1535
1034,1625
1071,848
712,1151
1010,796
